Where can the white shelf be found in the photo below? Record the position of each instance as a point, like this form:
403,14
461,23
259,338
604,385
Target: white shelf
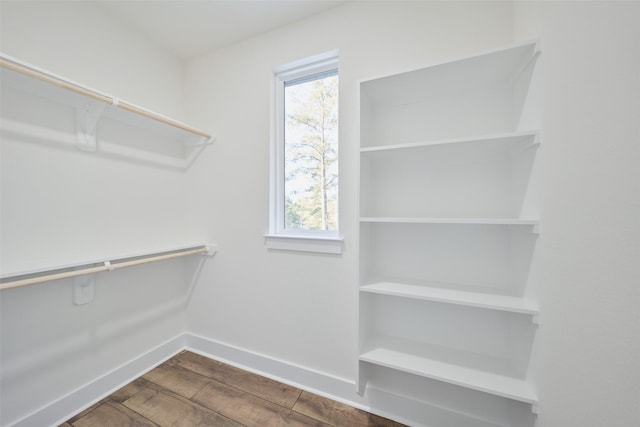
470,370
107,265
485,69
30,79
438,292
494,142
470,221
90,261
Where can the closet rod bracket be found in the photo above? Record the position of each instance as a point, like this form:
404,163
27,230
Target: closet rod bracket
211,250
201,142
87,117
535,319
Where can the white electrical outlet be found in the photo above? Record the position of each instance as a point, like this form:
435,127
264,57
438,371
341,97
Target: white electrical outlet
83,289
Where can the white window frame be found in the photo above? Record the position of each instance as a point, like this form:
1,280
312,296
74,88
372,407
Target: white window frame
279,238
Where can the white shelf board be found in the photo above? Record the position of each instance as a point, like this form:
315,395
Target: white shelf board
484,69
438,292
494,142
28,78
429,413
470,370
471,221
89,261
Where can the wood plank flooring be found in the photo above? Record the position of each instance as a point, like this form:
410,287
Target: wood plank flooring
192,390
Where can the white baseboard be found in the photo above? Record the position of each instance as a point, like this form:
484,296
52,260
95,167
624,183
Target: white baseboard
404,409
336,388
389,405
408,412
78,400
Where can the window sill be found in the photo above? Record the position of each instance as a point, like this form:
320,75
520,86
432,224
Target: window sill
322,245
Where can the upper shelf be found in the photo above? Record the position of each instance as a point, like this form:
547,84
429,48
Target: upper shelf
82,268
91,104
8,275
484,69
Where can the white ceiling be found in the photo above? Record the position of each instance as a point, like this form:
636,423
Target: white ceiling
188,28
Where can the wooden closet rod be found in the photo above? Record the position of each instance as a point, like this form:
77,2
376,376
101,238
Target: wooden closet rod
106,266
73,87
176,124
27,71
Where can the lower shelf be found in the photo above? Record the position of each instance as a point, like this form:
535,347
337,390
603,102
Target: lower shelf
474,371
425,414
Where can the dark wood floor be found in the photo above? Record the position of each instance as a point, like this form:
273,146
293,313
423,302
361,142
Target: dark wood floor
192,390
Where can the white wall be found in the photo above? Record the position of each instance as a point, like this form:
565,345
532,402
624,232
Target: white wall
60,205
300,308
83,42
590,295
295,307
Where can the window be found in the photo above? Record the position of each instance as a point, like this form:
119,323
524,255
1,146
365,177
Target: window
304,161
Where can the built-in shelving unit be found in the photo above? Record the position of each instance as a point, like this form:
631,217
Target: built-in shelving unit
448,226
93,106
